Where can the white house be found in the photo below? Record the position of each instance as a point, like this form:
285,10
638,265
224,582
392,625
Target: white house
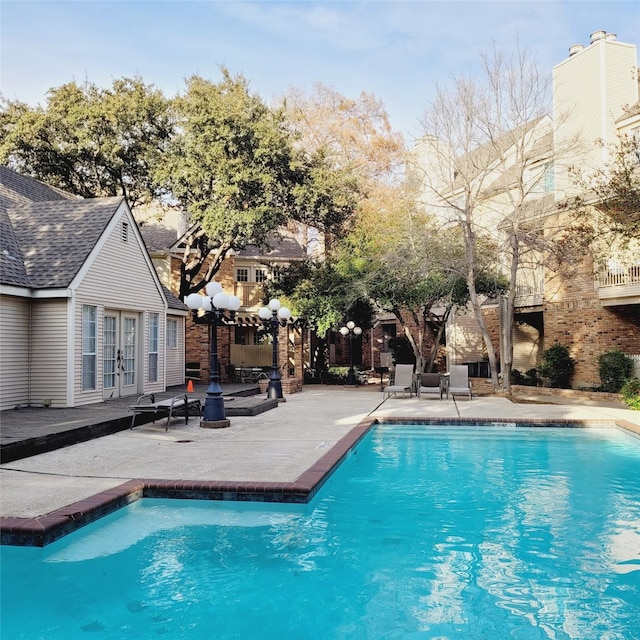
83,315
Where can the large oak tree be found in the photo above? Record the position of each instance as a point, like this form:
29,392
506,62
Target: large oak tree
90,141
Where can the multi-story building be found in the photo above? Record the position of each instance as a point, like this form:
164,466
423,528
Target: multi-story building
244,347
594,306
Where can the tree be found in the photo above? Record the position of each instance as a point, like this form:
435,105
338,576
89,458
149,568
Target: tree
234,167
614,189
419,277
486,167
89,141
326,295
355,137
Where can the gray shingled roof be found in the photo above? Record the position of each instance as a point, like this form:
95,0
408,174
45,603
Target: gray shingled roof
173,301
12,270
56,237
46,235
17,189
279,247
157,237
285,248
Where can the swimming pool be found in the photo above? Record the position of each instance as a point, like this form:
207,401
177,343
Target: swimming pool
424,532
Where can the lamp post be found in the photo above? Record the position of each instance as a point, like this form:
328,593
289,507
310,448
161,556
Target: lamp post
217,307
273,316
351,330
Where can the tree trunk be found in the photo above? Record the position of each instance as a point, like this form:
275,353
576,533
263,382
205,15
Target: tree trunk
486,337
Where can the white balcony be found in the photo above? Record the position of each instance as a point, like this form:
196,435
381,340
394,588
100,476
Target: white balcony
250,294
529,289
619,284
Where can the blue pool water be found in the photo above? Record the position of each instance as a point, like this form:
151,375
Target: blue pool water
422,533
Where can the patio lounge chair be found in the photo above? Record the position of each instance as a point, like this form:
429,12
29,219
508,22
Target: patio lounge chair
180,404
459,380
403,381
429,383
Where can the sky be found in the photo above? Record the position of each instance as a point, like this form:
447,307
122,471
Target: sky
395,50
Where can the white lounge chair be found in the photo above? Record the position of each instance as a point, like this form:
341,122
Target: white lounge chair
459,380
429,383
403,381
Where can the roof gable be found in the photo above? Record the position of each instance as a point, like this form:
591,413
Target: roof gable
56,237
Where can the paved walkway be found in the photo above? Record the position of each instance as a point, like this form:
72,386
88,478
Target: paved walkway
277,446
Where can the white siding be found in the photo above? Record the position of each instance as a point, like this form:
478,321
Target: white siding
175,357
464,340
120,277
590,89
49,352
526,347
159,385
14,352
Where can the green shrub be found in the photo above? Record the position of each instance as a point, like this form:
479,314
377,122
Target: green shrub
532,376
402,351
615,368
631,393
556,366
529,378
336,375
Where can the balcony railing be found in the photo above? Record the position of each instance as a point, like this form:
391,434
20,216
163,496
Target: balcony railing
250,293
529,291
619,277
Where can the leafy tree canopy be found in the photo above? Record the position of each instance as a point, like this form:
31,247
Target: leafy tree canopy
615,188
217,151
90,141
234,166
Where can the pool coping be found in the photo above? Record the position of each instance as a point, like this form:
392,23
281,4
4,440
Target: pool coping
41,531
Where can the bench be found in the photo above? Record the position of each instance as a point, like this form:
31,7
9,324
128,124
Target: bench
166,408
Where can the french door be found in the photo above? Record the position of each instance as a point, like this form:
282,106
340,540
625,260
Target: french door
120,354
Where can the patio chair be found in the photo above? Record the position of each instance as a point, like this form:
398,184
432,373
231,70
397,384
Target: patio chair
459,380
403,381
429,383
232,373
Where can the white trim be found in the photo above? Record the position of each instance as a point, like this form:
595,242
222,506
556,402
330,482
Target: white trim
11,290
52,293
71,347
25,292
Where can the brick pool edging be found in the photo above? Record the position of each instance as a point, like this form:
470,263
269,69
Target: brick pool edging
40,531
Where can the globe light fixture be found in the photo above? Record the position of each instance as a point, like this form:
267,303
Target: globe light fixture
273,316
351,330
214,308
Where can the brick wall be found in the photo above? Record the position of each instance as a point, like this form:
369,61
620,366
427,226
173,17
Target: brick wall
197,343
575,317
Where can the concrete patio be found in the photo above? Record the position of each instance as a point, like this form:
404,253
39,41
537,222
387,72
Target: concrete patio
277,446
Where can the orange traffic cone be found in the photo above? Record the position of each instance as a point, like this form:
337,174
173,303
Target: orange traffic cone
190,386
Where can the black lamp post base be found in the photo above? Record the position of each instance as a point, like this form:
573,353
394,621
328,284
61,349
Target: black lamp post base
215,424
213,414
351,378
274,390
